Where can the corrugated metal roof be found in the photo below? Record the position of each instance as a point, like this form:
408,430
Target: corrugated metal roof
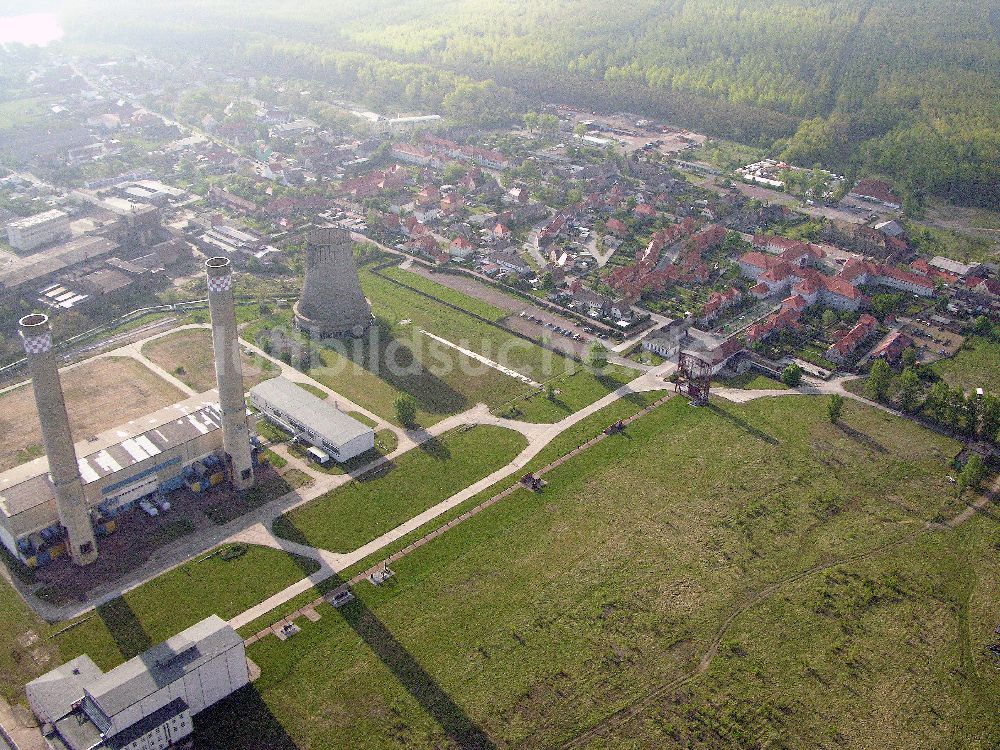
317,415
37,490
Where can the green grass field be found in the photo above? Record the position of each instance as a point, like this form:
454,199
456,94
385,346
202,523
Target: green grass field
930,239
25,651
562,444
441,379
19,113
546,613
976,365
447,294
573,391
354,514
161,608
145,616
188,355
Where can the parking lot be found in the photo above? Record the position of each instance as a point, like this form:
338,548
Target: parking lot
563,334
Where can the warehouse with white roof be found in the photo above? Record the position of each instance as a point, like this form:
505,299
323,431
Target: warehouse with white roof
312,419
117,467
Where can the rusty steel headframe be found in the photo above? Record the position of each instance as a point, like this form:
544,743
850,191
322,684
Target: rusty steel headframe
694,377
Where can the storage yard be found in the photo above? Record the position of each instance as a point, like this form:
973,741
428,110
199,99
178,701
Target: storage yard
100,394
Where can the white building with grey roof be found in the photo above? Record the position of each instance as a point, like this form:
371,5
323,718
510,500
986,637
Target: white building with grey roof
312,419
26,234
146,703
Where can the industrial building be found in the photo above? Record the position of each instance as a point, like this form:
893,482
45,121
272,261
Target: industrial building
152,192
180,445
312,419
146,703
26,234
55,260
230,241
61,503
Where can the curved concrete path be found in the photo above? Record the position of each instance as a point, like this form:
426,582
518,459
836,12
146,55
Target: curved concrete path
539,436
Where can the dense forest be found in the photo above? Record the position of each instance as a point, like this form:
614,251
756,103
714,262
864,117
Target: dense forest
904,88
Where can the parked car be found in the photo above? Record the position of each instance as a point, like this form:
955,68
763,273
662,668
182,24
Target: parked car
163,504
148,508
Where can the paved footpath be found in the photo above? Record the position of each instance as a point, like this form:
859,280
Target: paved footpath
15,736
412,525
539,437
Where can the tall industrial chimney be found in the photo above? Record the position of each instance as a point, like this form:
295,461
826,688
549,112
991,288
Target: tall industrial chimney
63,468
229,371
332,303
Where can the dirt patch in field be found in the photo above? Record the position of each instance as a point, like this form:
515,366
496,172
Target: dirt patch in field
100,394
188,356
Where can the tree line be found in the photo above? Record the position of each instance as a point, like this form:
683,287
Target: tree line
865,87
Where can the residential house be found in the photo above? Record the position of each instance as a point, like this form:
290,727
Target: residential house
719,301
508,260
461,248
846,345
891,348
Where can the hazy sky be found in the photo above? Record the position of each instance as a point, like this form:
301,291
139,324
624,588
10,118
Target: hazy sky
30,28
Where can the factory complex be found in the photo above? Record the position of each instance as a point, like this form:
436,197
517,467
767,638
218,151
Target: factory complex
59,505
179,445
146,703
311,419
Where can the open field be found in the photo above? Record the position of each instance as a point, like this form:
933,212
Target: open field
442,380
970,220
503,306
188,355
565,442
547,612
19,113
808,667
577,387
373,371
207,585
934,239
976,365
452,296
100,394
573,390
350,516
25,651
145,616
726,155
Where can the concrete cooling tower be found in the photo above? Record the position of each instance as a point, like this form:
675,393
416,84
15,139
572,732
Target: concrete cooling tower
332,304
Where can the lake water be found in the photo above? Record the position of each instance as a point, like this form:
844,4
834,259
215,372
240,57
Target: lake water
36,29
